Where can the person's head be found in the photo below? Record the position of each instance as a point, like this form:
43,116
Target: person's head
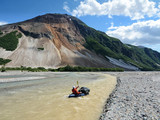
74,87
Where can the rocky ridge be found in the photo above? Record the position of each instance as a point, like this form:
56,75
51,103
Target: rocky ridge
55,40
51,40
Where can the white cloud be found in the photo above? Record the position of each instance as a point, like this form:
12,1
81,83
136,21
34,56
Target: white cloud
3,23
112,27
65,7
141,33
135,9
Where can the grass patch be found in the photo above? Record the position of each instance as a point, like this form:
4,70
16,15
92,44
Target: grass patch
10,41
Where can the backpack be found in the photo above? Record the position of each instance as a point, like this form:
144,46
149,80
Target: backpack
84,90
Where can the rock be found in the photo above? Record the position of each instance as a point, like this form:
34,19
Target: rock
144,116
136,97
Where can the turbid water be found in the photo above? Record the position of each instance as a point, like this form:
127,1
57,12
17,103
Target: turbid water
46,96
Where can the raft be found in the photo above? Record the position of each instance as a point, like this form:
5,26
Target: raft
84,91
74,95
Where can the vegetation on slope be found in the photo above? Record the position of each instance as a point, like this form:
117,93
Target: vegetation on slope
102,44
4,61
1,32
152,54
10,40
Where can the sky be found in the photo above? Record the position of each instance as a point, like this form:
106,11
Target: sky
135,22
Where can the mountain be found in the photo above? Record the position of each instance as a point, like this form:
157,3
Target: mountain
55,40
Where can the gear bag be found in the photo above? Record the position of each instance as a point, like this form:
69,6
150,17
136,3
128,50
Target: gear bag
84,90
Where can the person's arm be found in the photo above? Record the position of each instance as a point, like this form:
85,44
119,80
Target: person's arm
77,87
77,91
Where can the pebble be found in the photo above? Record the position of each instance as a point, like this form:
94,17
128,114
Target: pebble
136,97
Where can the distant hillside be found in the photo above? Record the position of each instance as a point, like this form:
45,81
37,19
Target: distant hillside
55,40
142,57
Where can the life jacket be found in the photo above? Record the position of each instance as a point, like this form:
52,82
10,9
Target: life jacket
74,91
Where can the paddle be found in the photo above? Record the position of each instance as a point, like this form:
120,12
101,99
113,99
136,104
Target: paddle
77,83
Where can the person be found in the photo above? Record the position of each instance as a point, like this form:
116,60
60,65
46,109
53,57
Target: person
75,91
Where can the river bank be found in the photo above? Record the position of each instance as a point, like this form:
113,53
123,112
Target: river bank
136,97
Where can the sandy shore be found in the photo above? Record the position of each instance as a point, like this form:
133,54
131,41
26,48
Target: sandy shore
136,97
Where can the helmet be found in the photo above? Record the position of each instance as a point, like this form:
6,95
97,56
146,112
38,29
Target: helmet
74,87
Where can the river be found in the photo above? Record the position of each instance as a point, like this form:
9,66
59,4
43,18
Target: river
44,96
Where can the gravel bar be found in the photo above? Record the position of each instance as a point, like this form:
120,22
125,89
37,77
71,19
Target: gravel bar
136,97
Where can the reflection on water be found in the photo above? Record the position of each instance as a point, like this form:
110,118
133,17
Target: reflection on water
47,99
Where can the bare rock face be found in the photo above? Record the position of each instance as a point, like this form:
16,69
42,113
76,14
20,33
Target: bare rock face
51,40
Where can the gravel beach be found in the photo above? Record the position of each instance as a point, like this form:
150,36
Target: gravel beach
136,97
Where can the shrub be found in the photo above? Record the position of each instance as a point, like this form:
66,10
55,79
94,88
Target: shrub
40,48
65,69
85,69
4,61
3,69
10,41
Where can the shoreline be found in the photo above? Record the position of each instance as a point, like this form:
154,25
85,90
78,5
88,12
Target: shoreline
136,97
109,100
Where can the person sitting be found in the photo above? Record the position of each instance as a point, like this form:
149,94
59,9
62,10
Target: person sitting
75,91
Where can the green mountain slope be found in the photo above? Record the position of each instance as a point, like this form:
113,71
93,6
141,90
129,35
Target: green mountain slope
101,43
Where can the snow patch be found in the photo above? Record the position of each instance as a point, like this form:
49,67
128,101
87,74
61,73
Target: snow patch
121,63
158,64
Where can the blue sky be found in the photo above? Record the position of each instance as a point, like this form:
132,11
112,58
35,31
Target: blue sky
135,22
